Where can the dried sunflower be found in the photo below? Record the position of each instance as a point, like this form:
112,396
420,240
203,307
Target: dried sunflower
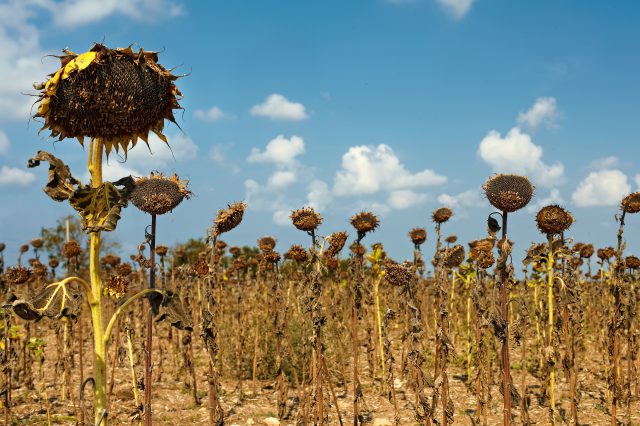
158,194
117,95
418,236
267,243
397,274
229,218
364,222
18,275
553,219
296,253
441,215
508,193
336,243
631,203
306,219
454,256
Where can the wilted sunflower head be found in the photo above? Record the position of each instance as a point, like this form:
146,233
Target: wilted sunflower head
441,215
24,248
117,286
336,243
418,236
632,262
162,250
267,243
296,253
508,193
229,218
271,257
117,95
451,239
396,274
587,251
37,243
454,256
17,275
158,194
71,249
357,249
364,222
2,247
54,263
110,260
553,220
124,269
235,251
606,253
306,219
631,203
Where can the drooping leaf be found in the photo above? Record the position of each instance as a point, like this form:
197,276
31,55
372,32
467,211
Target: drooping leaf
100,207
54,301
173,310
61,184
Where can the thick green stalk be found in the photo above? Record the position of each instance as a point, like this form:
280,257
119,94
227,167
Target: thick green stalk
99,344
552,368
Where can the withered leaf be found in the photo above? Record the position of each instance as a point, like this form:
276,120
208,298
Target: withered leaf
61,184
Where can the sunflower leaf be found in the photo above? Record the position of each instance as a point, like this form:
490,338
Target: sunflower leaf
61,184
100,207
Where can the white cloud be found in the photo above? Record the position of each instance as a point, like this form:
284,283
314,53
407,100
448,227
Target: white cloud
13,176
319,195
601,188
605,163
277,107
211,115
405,198
281,217
458,8
4,143
469,198
516,153
368,169
638,181
554,197
280,151
22,58
281,179
72,13
544,111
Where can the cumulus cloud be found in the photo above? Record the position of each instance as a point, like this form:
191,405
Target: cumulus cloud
516,153
605,163
368,169
543,112
281,179
319,195
277,107
4,143
280,151
638,181
554,197
457,8
15,177
23,57
469,198
82,12
211,115
405,198
601,188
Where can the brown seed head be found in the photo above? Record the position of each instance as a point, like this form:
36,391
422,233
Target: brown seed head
418,236
606,253
451,239
332,263
158,194
553,220
71,249
201,267
365,222
162,250
24,248
271,257
124,269
632,262
357,249
337,241
631,203
53,263
267,243
221,245
586,251
296,253
229,218
454,256
117,95
111,260
235,250
441,215
18,275
306,219
508,193
397,274
2,247
37,243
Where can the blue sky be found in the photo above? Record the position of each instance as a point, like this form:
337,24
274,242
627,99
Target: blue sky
397,106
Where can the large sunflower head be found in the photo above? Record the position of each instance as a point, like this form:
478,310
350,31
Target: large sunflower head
508,193
117,95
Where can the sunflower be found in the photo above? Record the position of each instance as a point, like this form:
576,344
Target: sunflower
117,95
158,194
